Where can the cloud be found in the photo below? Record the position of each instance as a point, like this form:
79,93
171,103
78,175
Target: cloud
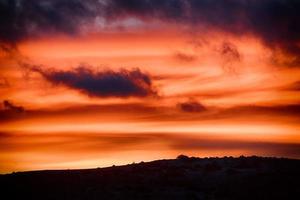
229,54
108,83
274,22
288,110
293,87
269,148
185,57
4,83
11,112
87,143
11,107
192,106
230,50
21,19
143,112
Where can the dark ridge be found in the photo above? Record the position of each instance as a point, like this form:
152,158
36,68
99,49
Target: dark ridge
182,178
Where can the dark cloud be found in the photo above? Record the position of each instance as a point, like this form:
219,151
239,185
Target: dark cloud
108,83
11,107
185,57
125,111
283,113
289,113
191,106
292,87
229,54
281,110
230,50
275,22
21,19
152,113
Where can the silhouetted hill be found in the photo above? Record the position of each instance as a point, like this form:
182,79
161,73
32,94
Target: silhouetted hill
182,178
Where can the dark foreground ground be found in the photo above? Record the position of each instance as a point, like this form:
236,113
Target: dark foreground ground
182,178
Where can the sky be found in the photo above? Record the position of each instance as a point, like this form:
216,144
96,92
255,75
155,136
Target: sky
95,83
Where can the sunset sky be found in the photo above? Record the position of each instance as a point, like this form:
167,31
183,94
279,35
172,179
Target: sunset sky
93,83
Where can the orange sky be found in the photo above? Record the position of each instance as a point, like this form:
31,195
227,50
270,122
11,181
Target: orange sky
214,94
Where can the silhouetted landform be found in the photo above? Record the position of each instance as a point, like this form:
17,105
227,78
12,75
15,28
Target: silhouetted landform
182,178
